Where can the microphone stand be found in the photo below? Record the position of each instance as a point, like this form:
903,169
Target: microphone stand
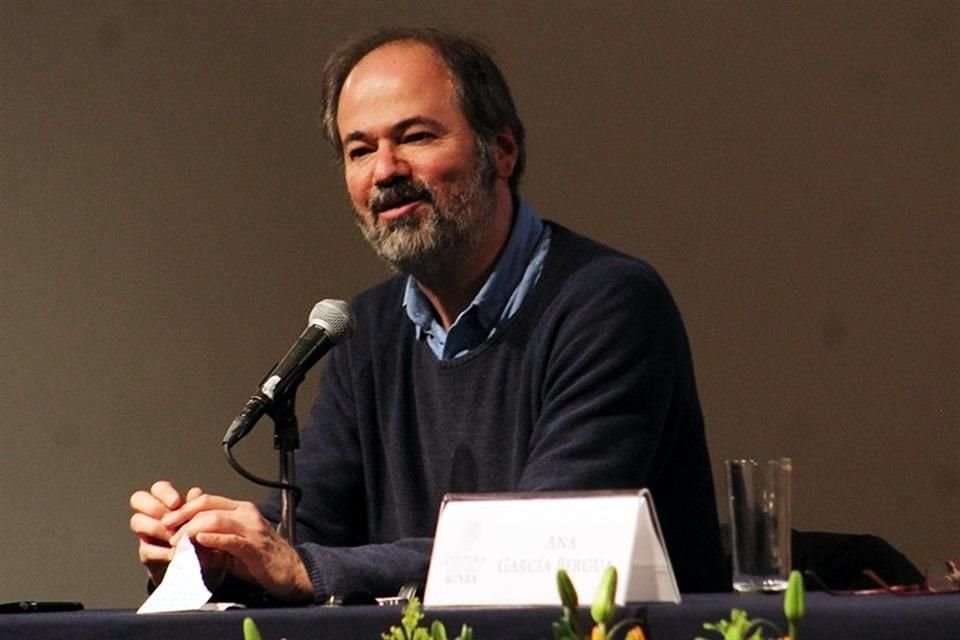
286,440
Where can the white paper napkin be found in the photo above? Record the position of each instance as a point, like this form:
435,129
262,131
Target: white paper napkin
182,588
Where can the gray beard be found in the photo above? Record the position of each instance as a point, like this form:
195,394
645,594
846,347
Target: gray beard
430,245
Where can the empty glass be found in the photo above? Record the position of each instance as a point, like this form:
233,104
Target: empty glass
759,495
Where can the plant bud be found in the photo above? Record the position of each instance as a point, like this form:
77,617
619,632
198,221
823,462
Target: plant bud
568,594
603,608
794,605
250,630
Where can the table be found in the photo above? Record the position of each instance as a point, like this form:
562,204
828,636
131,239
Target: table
930,617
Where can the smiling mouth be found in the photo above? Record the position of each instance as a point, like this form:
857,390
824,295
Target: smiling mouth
399,199
397,211
387,200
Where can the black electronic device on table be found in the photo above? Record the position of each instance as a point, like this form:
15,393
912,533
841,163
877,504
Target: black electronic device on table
36,606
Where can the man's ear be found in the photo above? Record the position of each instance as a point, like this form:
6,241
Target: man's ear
505,153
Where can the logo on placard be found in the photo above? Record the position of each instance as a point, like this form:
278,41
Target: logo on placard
470,532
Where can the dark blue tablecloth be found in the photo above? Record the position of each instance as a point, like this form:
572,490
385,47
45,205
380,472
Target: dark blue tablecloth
842,617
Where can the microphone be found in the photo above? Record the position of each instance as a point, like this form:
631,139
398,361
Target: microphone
330,322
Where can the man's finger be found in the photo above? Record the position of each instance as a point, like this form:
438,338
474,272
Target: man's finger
146,527
213,521
165,492
154,553
143,502
203,502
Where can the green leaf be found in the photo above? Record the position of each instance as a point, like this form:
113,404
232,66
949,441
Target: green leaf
563,631
732,629
412,615
438,631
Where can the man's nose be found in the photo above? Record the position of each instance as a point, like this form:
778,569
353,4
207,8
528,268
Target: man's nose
388,165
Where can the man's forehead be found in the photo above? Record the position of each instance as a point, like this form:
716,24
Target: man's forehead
392,76
399,60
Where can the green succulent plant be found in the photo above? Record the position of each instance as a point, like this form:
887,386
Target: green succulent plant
740,627
411,627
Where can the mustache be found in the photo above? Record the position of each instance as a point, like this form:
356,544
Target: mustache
398,193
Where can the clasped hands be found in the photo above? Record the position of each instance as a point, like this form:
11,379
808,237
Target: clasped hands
231,536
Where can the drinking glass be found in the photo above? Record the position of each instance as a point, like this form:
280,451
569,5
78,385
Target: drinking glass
759,496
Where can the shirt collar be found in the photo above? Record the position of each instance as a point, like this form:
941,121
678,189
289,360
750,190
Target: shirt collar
487,306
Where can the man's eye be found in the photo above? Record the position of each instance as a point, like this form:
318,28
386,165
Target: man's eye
418,136
357,152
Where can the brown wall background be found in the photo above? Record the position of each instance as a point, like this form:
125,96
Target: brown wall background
170,214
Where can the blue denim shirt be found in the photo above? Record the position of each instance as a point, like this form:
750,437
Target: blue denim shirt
501,295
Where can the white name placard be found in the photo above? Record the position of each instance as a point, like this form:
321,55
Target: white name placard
505,549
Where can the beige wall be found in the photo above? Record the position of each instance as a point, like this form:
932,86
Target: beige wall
170,214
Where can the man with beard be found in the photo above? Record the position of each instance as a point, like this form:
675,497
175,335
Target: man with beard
507,354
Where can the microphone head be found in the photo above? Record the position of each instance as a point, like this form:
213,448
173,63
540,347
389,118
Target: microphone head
334,317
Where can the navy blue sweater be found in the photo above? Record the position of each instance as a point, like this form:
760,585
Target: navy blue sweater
589,386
